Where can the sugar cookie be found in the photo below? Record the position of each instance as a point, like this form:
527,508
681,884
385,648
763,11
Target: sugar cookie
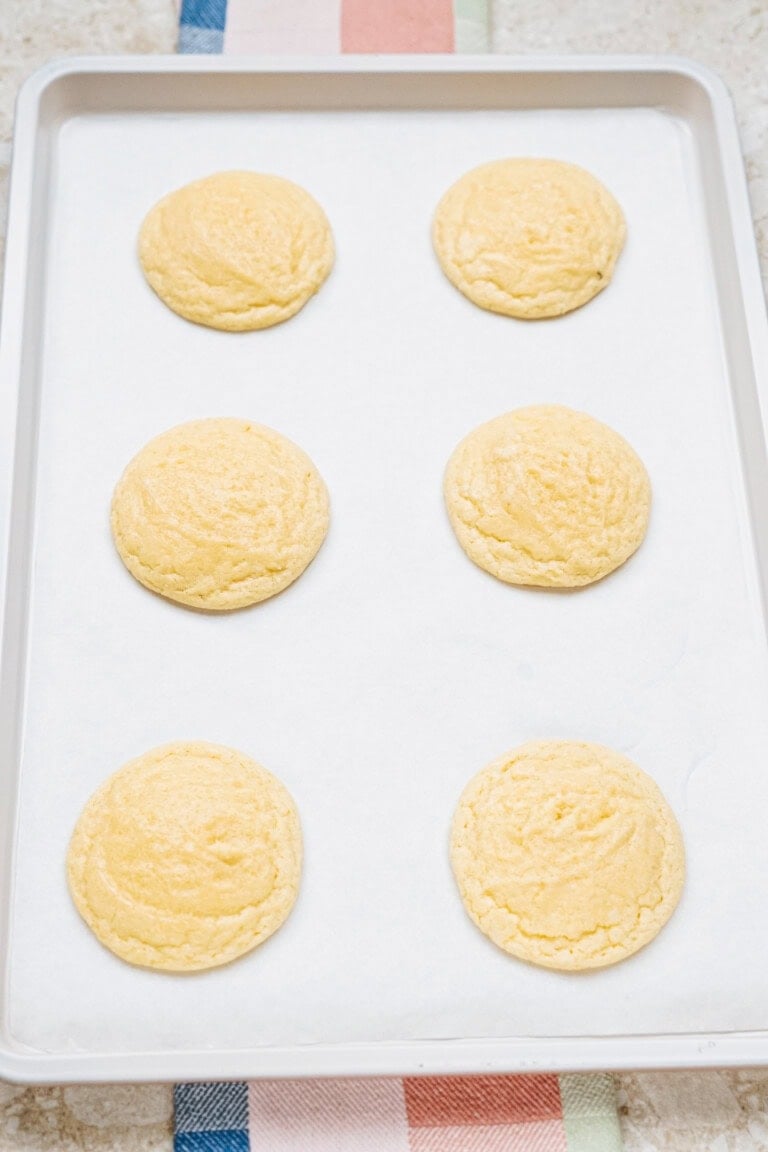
527,237
186,858
567,855
547,496
219,513
236,250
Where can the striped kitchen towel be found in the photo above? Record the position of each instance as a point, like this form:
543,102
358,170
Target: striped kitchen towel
539,1113
330,26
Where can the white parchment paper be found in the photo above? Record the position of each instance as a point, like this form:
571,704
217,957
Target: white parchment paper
394,669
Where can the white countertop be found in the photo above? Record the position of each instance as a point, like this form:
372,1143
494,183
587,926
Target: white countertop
660,1112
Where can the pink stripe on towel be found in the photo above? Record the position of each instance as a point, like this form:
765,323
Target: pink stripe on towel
397,26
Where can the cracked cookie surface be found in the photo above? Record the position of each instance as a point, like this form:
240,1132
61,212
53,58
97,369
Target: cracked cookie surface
219,513
547,496
186,857
567,855
529,238
236,250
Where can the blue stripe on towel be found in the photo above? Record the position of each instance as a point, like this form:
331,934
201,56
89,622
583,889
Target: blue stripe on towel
201,26
232,1140
206,1107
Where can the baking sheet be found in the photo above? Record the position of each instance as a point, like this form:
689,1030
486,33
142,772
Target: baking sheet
394,669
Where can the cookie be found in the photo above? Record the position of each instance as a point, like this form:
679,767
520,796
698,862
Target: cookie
236,250
186,858
567,855
547,496
219,514
527,237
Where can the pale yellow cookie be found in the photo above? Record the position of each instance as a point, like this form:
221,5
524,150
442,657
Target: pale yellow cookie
567,855
237,250
186,857
547,496
219,514
528,238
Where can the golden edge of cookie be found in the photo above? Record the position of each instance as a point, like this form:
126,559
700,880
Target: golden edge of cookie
675,865
251,319
223,600
151,958
557,583
489,296
217,602
466,537
508,305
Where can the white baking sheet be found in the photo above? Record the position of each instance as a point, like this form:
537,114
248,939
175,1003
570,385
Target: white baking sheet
394,669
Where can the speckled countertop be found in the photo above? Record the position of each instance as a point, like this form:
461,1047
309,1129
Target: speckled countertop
660,1112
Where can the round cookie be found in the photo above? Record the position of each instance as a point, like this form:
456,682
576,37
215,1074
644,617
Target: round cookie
547,496
528,237
186,858
219,514
236,250
567,855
